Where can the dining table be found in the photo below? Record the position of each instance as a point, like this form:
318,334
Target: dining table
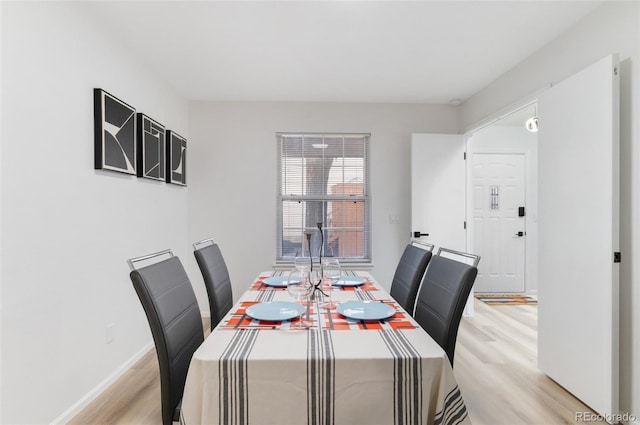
342,369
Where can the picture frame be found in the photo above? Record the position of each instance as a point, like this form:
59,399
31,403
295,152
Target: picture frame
151,148
176,159
115,146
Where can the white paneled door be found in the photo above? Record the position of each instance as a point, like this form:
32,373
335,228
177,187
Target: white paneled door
438,192
497,193
438,189
578,224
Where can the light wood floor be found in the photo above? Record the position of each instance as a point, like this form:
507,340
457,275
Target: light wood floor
495,366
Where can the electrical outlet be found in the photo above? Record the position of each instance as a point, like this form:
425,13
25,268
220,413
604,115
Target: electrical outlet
394,219
109,334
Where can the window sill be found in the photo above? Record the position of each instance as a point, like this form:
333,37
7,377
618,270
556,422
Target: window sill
344,266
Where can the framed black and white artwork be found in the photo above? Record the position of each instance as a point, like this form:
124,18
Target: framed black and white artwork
151,148
114,133
176,158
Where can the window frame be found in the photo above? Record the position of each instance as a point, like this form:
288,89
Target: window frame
365,198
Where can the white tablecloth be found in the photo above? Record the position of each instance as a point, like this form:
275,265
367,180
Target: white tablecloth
337,372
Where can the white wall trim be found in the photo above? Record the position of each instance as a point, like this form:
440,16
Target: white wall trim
83,402
525,102
344,266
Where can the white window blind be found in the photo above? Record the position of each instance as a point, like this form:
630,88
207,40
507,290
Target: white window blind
324,178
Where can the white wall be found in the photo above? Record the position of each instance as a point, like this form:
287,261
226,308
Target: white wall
68,229
508,139
612,28
232,186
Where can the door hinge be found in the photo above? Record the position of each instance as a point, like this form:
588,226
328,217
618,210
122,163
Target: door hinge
617,257
464,156
465,225
615,70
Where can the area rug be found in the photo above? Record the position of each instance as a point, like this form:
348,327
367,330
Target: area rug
506,299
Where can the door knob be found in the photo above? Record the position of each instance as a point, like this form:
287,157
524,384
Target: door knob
521,234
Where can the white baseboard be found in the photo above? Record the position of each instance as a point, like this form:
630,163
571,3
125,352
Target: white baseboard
72,411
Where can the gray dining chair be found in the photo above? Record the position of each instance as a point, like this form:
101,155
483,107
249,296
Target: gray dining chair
408,275
216,278
173,314
442,297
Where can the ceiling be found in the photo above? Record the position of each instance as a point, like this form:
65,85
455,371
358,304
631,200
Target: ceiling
334,51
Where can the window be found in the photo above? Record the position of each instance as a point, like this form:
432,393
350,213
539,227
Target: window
324,178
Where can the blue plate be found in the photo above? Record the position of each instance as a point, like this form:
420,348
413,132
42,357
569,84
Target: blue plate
349,281
365,310
278,281
275,311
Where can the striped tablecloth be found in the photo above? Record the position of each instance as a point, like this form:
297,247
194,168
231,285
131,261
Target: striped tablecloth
338,372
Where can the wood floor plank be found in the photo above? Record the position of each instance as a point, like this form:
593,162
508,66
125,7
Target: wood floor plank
496,368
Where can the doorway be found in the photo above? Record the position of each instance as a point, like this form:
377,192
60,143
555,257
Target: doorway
502,203
498,182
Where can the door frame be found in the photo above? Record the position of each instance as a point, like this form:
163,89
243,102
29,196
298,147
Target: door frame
531,191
